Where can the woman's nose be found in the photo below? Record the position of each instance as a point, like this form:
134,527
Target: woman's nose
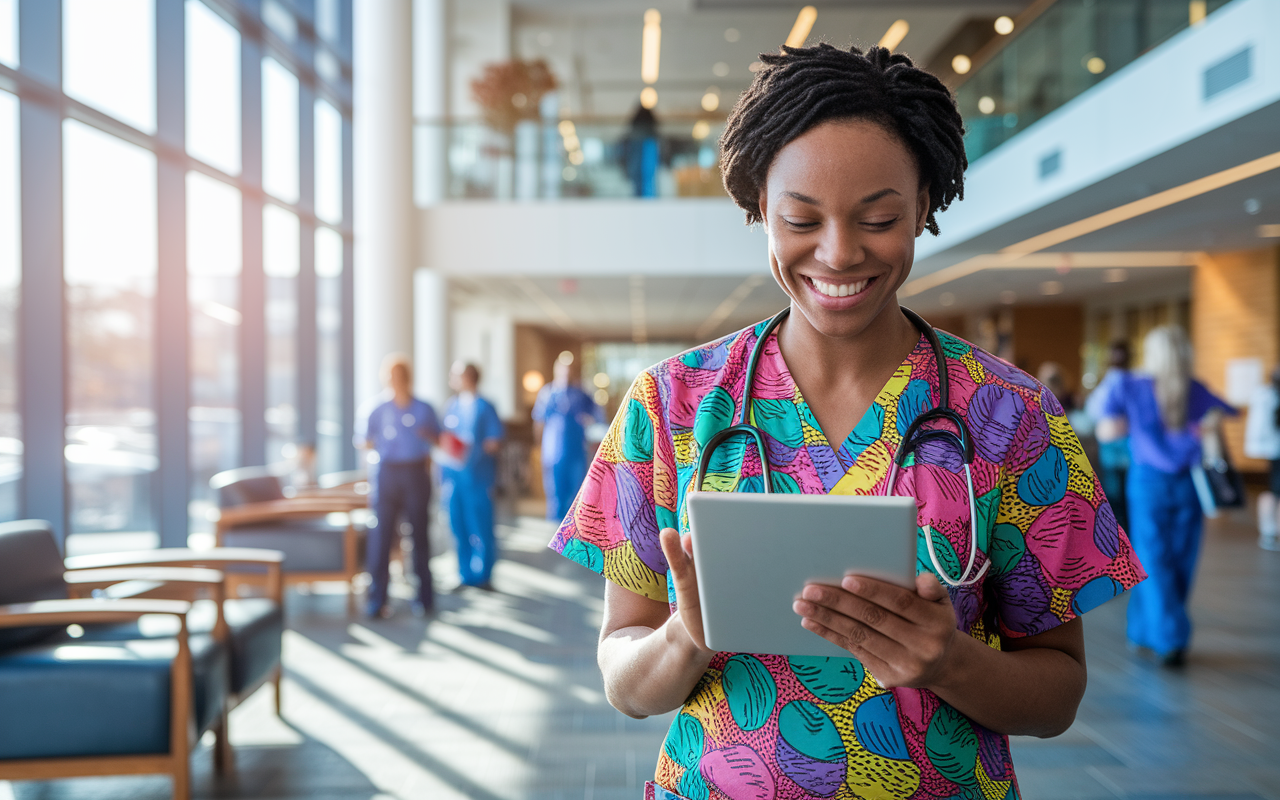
840,247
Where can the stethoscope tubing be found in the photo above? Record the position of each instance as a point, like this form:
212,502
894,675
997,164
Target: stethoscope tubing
914,436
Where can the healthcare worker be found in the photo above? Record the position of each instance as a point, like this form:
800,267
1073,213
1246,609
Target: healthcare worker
562,412
1113,455
845,158
401,430
474,434
1165,413
1262,440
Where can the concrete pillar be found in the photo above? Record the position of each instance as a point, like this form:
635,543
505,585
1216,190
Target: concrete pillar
431,336
383,102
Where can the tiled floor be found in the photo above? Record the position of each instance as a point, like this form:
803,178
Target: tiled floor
500,698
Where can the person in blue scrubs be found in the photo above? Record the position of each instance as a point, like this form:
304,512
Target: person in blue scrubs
562,411
401,429
1113,456
474,435
1165,411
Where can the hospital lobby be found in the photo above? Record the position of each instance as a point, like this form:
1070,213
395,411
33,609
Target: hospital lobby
219,218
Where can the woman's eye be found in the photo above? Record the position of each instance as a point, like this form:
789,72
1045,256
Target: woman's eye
880,225
799,223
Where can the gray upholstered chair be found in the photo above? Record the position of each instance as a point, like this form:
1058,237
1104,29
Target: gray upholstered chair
84,689
255,513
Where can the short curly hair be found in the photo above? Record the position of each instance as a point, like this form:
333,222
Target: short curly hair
802,87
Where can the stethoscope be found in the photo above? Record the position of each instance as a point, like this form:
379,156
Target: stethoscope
915,436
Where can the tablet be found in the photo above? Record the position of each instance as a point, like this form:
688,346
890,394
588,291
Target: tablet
755,552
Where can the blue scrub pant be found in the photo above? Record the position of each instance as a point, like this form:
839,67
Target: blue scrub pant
1165,522
399,489
561,481
471,517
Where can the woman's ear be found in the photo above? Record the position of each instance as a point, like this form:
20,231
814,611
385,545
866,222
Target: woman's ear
764,213
922,209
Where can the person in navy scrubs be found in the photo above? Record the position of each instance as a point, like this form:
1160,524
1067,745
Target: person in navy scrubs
563,410
401,429
472,437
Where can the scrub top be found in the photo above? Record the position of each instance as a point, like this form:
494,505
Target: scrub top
560,409
399,435
1150,443
767,726
473,421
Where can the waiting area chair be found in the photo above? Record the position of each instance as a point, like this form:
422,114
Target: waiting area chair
254,512
118,663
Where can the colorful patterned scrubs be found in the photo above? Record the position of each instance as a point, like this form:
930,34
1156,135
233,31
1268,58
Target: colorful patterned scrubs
765,726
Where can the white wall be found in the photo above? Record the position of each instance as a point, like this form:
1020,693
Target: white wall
694,236
481,34
488,338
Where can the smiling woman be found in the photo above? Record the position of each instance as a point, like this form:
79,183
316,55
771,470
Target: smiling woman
846,158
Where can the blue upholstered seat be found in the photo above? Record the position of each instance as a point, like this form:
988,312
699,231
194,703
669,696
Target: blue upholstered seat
101,694
308,545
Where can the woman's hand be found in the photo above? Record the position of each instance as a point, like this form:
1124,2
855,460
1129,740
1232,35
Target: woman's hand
679,552
902,637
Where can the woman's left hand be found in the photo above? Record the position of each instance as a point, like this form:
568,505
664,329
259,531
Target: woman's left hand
902,637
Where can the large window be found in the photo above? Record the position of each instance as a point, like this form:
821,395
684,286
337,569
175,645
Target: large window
328,162
280,159
109,58
9,33
213,89
213,292
281,238
329,443
110,270
10,278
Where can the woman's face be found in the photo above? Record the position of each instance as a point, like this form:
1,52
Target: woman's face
843,205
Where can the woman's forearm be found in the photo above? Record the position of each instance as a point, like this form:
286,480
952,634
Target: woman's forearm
650,671
1032,692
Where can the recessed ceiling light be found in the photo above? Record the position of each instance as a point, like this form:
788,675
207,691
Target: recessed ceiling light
1004,26
1115,275
1095,65
961,64
1269,231
732,35
720,69
986,104
1051,287
1252,206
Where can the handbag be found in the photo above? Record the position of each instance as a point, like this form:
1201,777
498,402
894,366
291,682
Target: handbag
1218,483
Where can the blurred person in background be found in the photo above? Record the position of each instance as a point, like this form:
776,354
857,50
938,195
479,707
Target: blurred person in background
401,429
1113,455
641,152
1262,440
560,416
472,437
1165,413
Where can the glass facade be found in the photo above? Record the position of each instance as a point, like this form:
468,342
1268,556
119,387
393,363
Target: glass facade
280,262
10,283
110,270
216,384
109,58
213,294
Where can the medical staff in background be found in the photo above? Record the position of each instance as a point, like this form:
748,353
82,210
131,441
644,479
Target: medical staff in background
1262,440
1113,456
1165,413
562,412
400,429
468,468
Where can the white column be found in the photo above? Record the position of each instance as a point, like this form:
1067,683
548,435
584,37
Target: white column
383,131
431,336
430,98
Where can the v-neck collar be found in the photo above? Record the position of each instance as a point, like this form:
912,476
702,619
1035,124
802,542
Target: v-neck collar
870,426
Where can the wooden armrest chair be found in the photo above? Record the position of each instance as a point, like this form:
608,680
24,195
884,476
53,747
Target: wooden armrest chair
82,692
253,627
254,513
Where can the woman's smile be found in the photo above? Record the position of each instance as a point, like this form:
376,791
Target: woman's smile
838,294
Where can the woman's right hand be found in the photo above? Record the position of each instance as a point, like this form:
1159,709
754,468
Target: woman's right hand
679,553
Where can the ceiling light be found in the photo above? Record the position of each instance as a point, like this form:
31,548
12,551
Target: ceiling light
576,158
732,35
961,64
601,397
1115,275
720,69
986,104
532,381
565,357
701,129
648,97
569,174
1145,206
1095,65
566,127
1252,206
650,46
894,36
1008,297
947,299
1269,231
1051,287
711,100
804,24
1004,26
571,142
601,380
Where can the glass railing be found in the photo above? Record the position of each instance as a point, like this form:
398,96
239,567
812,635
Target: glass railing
592,157
1069,48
